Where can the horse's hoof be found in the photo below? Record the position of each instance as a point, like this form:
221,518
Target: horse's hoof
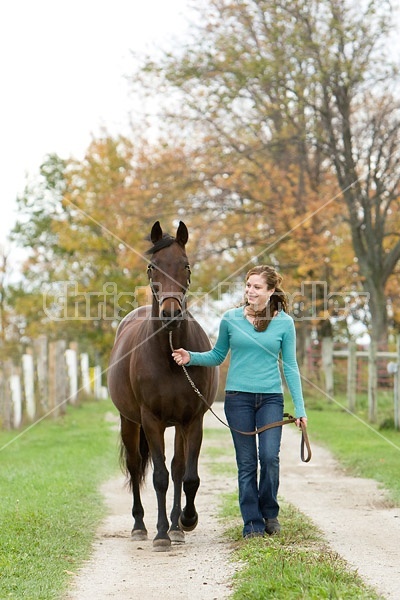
139,535
188,524
177,536
161,544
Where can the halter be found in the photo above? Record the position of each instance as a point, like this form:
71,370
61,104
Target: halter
179,296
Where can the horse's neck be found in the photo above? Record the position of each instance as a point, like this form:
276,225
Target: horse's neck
157,331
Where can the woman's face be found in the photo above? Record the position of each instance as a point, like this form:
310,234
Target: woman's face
257,293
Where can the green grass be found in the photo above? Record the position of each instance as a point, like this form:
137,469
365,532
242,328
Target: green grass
298,565
364,449
50,503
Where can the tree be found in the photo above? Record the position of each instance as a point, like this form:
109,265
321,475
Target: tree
360,119
73,285
6,312
303,90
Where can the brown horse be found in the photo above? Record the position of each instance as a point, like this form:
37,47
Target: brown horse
152,393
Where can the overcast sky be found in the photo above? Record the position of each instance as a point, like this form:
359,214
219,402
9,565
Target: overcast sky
62,68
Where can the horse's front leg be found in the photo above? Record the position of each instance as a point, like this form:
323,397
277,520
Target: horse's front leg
177,471
155,435
191,481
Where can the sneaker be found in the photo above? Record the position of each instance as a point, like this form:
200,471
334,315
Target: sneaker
253,534
272,526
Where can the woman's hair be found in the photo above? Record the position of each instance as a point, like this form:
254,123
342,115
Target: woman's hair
278,300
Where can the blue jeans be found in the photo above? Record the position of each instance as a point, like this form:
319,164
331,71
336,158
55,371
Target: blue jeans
258,496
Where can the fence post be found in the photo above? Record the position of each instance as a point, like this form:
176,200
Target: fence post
3,405
396,387
85,373
352,375
28,373
327,365
372,381
16,400
57,377
7,398
72,372
2,398
42,366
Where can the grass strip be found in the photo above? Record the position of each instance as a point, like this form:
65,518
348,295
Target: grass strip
364,449
297,565
50,500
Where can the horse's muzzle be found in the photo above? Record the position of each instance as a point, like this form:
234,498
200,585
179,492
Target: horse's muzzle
171,321
171,313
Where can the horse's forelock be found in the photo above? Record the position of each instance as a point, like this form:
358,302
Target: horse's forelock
166,241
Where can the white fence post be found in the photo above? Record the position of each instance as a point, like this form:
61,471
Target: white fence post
85,373
28,373
16,400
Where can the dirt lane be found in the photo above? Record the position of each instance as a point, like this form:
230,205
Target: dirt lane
123,569
351,512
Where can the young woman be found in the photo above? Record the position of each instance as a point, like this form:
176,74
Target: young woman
257,334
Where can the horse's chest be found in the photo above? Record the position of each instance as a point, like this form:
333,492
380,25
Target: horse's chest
155,377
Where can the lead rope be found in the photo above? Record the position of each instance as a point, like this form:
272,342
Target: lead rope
287,417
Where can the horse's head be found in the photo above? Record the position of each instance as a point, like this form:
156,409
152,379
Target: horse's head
169,274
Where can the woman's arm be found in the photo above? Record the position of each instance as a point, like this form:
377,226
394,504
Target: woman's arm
210,358
291,371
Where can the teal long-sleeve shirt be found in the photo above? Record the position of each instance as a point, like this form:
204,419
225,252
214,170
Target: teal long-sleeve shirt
254,356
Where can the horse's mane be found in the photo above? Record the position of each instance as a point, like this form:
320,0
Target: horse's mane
166,241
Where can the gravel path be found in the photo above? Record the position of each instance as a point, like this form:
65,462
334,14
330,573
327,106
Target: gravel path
351,512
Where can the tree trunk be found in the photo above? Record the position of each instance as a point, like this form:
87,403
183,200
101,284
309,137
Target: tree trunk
379,335
378,309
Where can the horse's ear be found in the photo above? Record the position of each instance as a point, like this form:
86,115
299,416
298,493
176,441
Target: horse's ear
182,234
156,232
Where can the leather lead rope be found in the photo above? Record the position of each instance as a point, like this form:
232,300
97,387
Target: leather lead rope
305,443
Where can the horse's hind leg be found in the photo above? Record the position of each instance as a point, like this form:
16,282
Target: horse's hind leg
177,470
135,453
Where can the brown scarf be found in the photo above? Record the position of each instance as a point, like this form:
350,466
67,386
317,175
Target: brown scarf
261,320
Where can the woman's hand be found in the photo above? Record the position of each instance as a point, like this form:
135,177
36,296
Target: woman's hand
299,421
181,356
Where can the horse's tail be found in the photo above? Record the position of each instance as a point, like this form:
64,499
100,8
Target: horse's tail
135,467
